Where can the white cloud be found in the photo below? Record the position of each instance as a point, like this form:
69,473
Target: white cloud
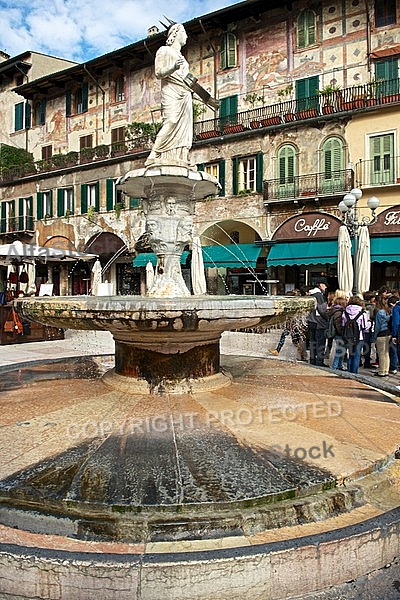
83,29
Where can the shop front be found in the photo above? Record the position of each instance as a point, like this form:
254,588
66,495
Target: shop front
385,249
303,249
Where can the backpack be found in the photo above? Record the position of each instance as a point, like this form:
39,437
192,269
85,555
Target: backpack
351,330
331,329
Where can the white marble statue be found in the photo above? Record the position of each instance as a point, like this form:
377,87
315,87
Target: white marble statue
175,137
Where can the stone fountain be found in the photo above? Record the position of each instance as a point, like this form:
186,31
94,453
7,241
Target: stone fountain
174,457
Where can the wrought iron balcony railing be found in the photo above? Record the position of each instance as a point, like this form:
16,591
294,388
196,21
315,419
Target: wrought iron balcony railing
9,225
314,185
361,97
378,171
356,98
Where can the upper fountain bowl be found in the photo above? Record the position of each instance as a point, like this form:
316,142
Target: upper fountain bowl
163,344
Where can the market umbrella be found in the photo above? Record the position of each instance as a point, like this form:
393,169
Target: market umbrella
18,252
363,261
149,275
199,284
96,277
345,263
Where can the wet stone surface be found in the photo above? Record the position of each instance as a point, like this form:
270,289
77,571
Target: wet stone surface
162,467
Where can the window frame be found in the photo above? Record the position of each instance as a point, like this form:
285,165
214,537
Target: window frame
65,201
119,89
228,51
287,154
306,29
333,176
384,13
387,175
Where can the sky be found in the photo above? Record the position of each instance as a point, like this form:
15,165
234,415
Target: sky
80,30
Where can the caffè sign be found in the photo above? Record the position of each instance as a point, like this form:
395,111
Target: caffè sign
309,226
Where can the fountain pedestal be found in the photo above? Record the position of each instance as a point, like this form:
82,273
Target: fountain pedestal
168,196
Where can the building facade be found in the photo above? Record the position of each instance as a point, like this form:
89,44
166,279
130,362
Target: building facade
309,108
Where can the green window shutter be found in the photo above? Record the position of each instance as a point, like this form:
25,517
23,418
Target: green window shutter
387,71
286,166
311,27
19,116
60,203
231,50
68,103
223,53
97,198
382,155
222,177
109,194
29,224
21,224
3,222
85,96
301,31
259,172
235,176
333,165
42,112
39,205
200,167
228,110
51,203
84,206
306,29
28,112
134,202
306,93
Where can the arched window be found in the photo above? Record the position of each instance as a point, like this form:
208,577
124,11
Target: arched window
286,174
333,175
227,57
306,29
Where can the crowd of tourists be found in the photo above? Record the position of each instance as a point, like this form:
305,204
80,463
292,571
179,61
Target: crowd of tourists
347,332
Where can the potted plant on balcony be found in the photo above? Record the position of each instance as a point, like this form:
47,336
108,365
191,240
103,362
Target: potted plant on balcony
101,151
118,207
286,93
329,95
253,99
231,125
86,155
71,158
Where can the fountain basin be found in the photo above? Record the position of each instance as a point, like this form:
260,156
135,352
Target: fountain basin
163,344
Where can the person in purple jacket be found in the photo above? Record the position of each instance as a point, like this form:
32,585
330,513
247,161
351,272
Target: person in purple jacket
356,308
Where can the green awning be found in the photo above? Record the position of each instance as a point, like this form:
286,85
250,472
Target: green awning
303,253
385,249
234,256
141,260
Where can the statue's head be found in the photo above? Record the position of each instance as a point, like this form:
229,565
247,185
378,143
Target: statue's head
176,30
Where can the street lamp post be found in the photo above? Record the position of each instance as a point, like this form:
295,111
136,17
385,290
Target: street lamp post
350,218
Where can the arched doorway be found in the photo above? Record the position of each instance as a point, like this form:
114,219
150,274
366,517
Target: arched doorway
234,262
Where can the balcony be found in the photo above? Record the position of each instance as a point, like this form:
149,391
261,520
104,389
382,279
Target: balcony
303,187
14,226
378,172
69,160
356,98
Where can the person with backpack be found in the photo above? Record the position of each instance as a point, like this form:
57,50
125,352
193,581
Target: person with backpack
381,336
335,329
355,323
396,328
317,322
